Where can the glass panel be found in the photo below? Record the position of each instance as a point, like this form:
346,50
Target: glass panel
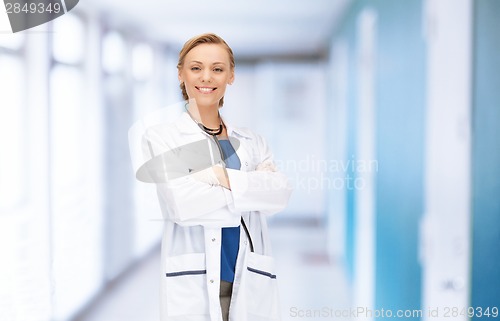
66,113
142,62
24,242
76,211
12,136
114,53
12,41
69,39
147,99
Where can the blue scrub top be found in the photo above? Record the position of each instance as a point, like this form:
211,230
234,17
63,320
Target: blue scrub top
230,235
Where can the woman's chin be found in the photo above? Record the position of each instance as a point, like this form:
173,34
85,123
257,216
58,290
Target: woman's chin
204,101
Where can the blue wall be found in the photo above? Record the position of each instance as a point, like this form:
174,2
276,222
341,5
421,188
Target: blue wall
486,156
349,34
400,104
400,143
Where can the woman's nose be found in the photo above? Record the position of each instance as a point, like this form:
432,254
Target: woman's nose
206,76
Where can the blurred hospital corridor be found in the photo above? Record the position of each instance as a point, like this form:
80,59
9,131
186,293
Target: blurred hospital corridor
384,115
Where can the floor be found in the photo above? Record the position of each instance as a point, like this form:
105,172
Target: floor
311,287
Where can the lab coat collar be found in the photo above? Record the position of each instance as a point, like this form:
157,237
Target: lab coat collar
186,125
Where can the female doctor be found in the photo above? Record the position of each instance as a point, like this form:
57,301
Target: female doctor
216,262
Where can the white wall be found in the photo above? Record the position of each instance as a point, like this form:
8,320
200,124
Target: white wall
445,235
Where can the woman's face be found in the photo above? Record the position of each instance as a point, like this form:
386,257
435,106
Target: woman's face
206,72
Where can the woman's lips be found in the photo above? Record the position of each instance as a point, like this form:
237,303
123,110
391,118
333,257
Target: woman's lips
206,90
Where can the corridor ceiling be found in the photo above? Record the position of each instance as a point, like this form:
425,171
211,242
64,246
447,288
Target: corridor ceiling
253,28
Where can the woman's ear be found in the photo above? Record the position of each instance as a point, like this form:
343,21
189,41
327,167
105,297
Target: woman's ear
231,79
179,76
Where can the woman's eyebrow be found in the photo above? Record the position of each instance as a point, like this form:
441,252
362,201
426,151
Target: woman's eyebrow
201,63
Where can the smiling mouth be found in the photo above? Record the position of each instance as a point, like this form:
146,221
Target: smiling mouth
206,90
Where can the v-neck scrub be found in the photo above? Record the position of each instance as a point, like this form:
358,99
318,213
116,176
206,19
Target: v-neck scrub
230,235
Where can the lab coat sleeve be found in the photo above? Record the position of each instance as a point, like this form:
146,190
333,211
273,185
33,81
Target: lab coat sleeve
185,200
264,191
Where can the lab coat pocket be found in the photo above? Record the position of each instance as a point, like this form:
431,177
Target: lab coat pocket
186,291
262,289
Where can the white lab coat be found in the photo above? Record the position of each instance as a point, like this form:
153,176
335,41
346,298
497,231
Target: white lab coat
194,214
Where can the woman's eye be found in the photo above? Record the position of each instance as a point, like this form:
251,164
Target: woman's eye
195,68
218,70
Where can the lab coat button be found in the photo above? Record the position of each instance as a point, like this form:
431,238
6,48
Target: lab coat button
211,281
213,240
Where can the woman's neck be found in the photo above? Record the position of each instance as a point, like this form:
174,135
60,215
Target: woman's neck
209,116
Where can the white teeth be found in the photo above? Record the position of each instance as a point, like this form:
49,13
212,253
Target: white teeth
205,90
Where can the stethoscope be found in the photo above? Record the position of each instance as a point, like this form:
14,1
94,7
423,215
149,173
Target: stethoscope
210,131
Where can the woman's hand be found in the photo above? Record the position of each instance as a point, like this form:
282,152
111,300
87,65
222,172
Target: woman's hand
215,176
221,174
267,166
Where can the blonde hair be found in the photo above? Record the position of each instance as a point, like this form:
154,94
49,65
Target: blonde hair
206,38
